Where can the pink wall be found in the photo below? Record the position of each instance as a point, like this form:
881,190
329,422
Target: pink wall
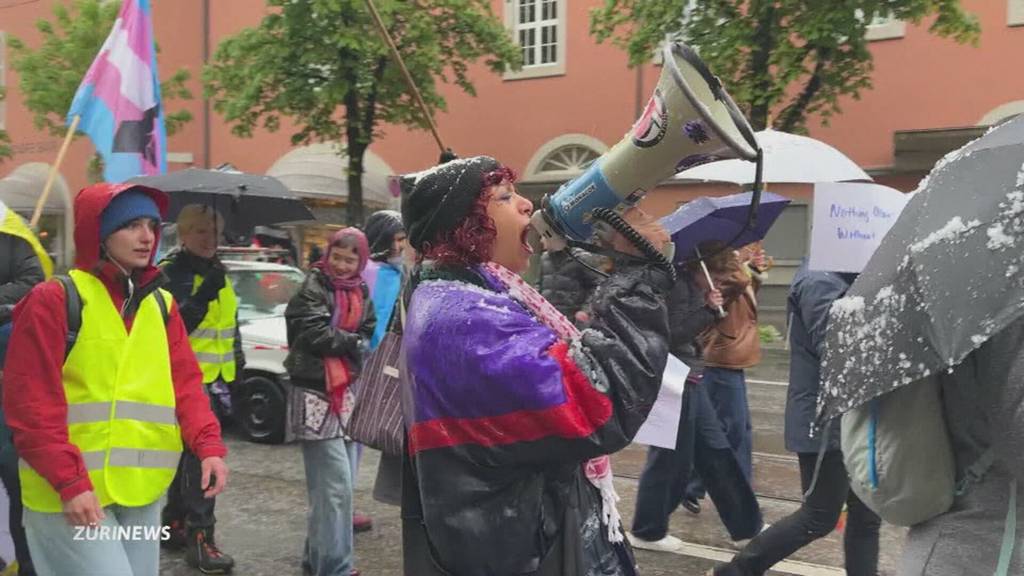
920,82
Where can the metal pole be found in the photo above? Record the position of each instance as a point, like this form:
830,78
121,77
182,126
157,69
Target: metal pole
405,73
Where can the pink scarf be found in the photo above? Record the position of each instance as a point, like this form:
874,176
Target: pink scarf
598,470
348,311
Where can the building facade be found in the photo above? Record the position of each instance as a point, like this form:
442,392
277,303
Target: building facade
572,101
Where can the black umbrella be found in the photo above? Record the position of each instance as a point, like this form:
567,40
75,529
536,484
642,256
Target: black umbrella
948,276
245,200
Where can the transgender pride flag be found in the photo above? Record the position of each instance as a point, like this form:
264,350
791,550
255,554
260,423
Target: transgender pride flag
119,99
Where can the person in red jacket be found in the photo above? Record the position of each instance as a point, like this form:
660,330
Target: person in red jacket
45,394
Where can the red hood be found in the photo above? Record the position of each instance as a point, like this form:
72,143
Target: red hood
89,205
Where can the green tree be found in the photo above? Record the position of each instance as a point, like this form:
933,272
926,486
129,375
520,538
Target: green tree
49,76
787,59
322,64
5,140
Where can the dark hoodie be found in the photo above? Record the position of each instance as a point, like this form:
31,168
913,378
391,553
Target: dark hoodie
33,391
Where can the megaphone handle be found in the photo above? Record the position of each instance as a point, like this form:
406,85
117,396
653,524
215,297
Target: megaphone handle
711,284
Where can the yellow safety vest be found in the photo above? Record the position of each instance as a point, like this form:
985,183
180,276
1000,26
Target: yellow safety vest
213,340
121,404
11,223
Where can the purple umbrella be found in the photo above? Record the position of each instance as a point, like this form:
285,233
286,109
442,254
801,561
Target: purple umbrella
722,218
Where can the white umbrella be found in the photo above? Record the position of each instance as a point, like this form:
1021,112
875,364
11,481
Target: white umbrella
788,158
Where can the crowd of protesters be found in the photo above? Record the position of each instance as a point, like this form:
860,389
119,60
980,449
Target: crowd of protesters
115,375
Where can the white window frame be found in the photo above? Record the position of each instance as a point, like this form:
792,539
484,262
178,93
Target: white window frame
1015,13
536,27
885,28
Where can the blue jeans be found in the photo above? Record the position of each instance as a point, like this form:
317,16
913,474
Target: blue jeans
328,550
59,549
727,390
700,445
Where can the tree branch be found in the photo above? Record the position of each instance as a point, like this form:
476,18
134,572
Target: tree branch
793,115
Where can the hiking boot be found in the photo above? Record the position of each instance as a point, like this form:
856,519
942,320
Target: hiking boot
176,536
202,553
361,523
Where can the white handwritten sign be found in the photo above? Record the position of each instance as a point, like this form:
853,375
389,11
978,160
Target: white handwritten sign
850,220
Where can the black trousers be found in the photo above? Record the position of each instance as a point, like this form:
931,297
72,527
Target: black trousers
816,519
701,445
9,475
185,500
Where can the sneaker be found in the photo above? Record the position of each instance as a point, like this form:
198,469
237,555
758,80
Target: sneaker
361,523
202,553
667,544
692,505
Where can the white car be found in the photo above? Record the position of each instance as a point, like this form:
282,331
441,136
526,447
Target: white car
263,290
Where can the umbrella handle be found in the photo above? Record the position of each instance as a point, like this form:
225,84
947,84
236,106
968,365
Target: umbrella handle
707,275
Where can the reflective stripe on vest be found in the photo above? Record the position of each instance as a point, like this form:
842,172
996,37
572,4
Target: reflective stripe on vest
121,404
213,340
126,457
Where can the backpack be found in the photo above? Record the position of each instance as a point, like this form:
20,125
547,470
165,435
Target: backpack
899,456
73,302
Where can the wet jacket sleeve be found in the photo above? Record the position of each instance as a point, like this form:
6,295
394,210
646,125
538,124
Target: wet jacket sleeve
813,300
24,271
33,391
732,281
309,322
1000,376
199,426
193,307
502,389
688,316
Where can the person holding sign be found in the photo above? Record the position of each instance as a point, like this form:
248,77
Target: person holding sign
810,296
701,443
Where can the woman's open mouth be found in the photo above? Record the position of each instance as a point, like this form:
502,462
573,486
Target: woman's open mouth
524,238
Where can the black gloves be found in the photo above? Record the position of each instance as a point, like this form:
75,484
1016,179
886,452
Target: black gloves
212,284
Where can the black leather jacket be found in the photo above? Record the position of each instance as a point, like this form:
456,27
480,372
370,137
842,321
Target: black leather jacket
311,337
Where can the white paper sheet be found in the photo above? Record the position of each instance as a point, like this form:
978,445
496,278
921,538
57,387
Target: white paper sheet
662,424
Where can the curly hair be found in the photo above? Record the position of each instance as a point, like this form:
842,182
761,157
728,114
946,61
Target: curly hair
472,242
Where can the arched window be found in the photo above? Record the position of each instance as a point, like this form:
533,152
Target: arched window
563,158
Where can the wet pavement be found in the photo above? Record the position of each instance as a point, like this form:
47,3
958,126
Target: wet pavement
261,517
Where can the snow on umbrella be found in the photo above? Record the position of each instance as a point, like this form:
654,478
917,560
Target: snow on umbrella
244,200
946,277
788,158
722,218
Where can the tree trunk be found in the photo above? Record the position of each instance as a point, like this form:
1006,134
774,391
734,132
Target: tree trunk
355,183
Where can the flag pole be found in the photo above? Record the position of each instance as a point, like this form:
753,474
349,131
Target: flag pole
53,172
405,73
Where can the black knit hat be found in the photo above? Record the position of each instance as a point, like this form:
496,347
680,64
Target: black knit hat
380,229
439,199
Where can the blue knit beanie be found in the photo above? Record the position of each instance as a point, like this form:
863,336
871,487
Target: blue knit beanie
124,208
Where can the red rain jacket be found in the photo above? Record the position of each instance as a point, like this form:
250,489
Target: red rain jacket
33,392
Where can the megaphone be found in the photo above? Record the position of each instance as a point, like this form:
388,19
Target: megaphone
689,120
